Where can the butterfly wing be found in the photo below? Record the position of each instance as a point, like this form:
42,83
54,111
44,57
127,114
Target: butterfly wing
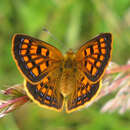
93,56
45,93
92,59
84,93
34,58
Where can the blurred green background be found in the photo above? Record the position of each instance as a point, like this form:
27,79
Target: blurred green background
73,22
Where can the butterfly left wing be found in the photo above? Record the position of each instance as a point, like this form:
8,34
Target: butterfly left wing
45,93
93,56
82,95
34,58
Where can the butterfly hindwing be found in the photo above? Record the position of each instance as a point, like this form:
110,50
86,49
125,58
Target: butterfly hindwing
34,58
93,56
83,94
45,94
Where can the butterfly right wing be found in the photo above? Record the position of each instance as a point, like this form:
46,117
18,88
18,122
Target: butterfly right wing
83,94
93,57
34,58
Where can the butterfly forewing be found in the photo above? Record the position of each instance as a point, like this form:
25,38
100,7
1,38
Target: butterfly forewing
93,56
34,57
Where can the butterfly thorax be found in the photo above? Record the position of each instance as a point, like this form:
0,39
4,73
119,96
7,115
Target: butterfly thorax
67,81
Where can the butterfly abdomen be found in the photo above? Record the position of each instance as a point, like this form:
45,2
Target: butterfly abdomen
67,82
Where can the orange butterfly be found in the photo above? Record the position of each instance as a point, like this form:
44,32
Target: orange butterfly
54,80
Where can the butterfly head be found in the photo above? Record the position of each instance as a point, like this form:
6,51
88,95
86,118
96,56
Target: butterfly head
70,54
69,58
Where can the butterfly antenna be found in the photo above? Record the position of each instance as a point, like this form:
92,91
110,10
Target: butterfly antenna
46,30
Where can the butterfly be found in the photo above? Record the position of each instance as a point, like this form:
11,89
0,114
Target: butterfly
56,81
